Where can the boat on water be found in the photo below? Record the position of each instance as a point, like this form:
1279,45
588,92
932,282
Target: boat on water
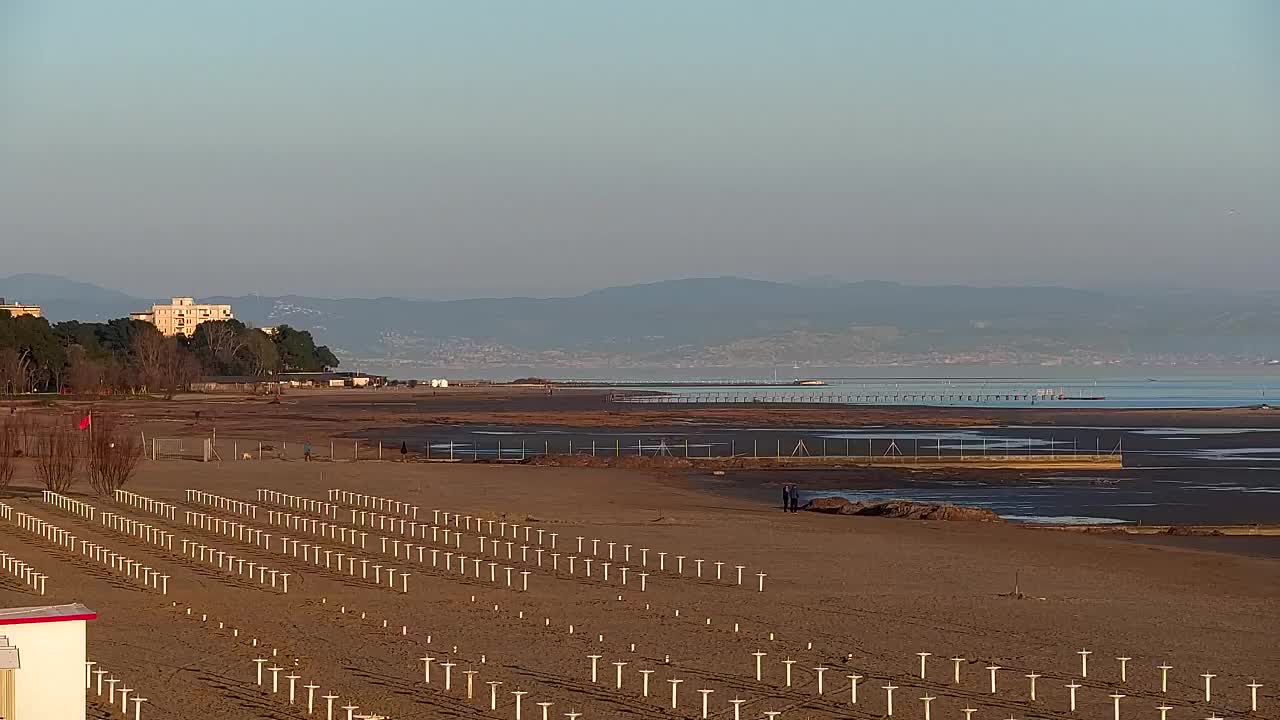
810,383
1082,397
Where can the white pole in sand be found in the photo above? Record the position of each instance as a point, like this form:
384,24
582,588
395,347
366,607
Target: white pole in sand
1164,677
645,675
1032,677
675,684
1124,669
923,657
705,694
595,659
545,706
448,674
956,662
737,708
471,678
619,665
968,713
1208,685
926,700
994,669
519,696
758,655
426,668
1084,662
328,699
493,693
853,688
1115,698
820,670
1073,686
788,663
311,697
1164,711
1253,695
889,698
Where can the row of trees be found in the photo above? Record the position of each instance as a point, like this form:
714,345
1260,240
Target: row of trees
106,454
124,355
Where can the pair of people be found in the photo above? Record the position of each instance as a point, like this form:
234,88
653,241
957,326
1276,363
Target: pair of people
790,498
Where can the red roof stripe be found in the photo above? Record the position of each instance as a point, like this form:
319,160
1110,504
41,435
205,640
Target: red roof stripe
53,618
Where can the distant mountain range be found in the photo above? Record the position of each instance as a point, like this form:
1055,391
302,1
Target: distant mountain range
737,322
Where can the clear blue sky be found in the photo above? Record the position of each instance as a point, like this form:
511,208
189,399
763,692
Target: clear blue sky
443,149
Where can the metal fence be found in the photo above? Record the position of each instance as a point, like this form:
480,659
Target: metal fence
723,446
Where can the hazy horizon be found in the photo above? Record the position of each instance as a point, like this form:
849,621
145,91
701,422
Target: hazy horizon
436,150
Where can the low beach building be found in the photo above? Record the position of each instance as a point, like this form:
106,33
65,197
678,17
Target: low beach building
182,316
42,661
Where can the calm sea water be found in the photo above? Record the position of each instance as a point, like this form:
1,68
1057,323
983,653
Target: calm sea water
1115,392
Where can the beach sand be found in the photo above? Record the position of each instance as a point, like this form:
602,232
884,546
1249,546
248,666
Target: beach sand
878,590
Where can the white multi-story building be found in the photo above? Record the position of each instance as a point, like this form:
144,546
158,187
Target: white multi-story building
16,308
182,315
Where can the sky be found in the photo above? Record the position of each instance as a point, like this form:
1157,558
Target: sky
457,149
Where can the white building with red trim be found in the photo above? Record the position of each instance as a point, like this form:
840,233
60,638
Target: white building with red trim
42,662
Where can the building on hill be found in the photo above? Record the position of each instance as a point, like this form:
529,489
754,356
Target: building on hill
16,309
182,315
42,661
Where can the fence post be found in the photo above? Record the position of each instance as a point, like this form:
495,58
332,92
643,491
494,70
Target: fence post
330,449
379,449
259,449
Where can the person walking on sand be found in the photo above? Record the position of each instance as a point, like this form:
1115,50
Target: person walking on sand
786,497
306,451
404,451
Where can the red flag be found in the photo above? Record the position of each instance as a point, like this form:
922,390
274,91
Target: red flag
86,422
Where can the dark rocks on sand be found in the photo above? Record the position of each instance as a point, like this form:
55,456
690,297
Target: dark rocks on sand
900,509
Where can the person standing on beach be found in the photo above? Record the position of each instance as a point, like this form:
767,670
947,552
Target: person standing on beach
306,451
795,498
404,450
786,497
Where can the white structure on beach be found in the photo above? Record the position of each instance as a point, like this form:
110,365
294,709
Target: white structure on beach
42,661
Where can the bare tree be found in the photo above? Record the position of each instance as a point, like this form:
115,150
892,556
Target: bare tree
262,353
224,342
166,367
9,440
59,449
84,374
114,452
15,371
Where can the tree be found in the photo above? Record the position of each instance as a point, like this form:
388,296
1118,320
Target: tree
261,353
84,374
166,366
299,353
9,450
59,450
113,455
220,345
15,371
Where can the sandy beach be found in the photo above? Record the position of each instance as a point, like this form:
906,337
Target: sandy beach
857,595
